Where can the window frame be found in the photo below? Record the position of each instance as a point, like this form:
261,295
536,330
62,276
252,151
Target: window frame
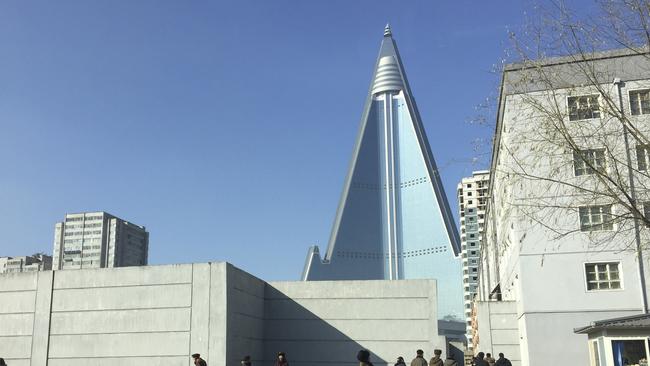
611,210
586,168
620,276
568,107
629,100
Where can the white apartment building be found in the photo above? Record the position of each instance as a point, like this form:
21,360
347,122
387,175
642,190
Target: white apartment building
472,199
28,263
559,249
99,240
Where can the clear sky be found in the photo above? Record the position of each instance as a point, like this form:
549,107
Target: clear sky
224,127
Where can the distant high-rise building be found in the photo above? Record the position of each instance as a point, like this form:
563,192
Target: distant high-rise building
472,198
99,240
393,220
28,263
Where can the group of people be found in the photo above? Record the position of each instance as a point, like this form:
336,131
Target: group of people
486,359
436,360
363,357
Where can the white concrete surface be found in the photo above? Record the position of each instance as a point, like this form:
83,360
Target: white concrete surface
160,315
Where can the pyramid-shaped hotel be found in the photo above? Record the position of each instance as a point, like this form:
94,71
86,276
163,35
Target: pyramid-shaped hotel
393,220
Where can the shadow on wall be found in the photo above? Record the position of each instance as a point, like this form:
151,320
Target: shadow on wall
304,337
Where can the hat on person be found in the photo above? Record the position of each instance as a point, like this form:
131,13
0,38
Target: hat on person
196,355
363,355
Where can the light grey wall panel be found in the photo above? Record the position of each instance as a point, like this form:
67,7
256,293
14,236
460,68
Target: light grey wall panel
18,281
119,345
16,347
120,361
348,308
125,276
17,302
16,324
42,313
200,311
121,321
132,297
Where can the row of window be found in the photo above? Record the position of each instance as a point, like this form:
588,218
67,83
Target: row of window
587,106
586,162
88,232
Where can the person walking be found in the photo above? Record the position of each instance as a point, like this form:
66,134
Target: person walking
503,361
246,361
364,358
2,362
479,360
419,359
436,360
450,360
281,360
489,359
198,361
400,361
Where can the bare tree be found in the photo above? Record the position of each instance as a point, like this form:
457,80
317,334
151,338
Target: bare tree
576,137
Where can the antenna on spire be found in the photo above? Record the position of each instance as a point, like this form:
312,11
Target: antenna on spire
387,32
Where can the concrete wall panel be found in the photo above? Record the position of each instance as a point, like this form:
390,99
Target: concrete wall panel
133,297
121,361
16,324
17,302
18,281
121,321
125,276
364,308
16,347
339,329
119,345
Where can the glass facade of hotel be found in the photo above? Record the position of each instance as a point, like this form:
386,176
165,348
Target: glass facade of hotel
393,220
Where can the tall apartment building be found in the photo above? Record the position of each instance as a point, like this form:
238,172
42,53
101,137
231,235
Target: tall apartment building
28,263
560,245
472,199
99,240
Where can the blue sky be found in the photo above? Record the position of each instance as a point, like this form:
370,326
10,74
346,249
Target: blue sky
224,127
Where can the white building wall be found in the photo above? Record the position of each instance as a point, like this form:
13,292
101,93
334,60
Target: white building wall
543,271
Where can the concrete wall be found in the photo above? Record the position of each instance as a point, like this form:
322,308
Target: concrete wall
498,329
159,315
327,322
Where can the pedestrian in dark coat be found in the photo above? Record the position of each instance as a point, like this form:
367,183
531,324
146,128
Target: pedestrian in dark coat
502,361
246,361
198,361
419,359
400,361
479,360
282,360
2,362
364,358
436,360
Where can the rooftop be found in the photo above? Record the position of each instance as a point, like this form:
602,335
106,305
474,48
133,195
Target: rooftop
641,321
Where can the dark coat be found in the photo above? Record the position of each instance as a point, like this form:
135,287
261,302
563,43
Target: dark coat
503,362
419,361
479,362
200,362
436,361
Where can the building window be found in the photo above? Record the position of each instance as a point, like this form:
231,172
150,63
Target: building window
583,107
585,161
642,157
640,102
596,218
602,276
